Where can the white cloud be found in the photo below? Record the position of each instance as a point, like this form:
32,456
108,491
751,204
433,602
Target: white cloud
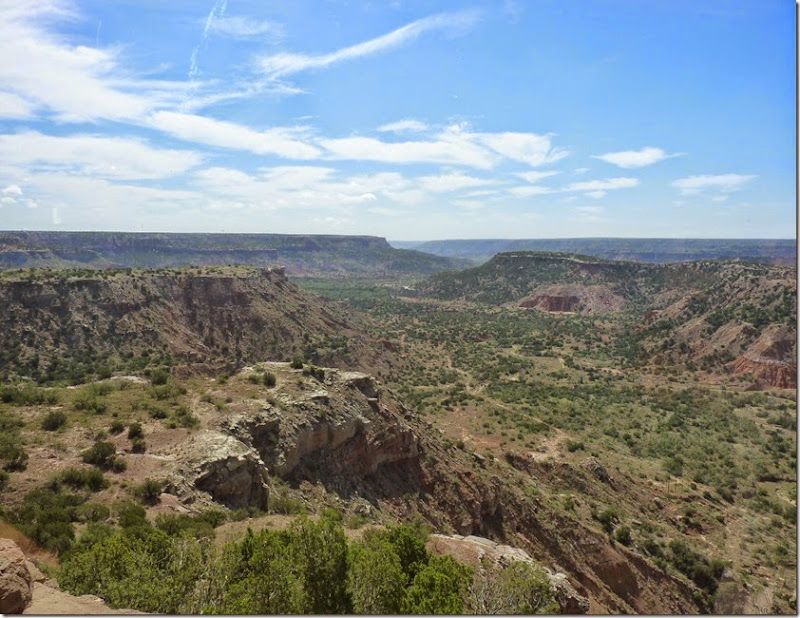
245,27
109,157
444,183
529,148
721,182
12,190
283,64
603,185
283,142
15,107
629,159
592,188
69,80
446,150
528,191
305,187
581,170
533,177
402,126
590,210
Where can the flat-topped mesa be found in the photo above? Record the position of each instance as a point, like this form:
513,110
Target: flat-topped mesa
301,254
102,241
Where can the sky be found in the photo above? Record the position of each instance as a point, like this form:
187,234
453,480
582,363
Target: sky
411,120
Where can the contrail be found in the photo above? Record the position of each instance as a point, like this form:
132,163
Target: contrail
218,10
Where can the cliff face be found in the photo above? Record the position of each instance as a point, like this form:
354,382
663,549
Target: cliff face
771,359
587,299
215,316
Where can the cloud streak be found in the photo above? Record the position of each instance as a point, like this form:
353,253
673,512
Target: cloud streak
217,11
630,159
284,64
283,142
726,183
244,28
105,157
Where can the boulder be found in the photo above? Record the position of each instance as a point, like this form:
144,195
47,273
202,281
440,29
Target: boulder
590,464
16,583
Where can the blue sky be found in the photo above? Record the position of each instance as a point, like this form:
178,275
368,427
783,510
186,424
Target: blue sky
409,120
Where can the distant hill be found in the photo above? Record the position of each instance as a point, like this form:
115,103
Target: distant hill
303,255
654,250
740,315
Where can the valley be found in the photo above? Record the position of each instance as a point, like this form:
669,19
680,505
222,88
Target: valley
630,426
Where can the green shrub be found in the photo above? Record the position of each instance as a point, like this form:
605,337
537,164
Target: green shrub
4,477
12,453
184,418
178,524
297,362
82,478
519,588
117,427
439,588
284,505
135,430
149,491
130,514
53,420
159,377
156,412
623,535
101,454
269,379
609,518
575,445
92,511
254,378
138,445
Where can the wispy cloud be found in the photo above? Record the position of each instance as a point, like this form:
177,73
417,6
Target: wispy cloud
105,157
721,182
402,126
603,185
446,149
444,183
283,64
629,159
71,81
529,148
592,188
283,142
245,27
533,177
217,12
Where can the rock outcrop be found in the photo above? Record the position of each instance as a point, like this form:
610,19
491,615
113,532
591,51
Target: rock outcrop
587,299
16,582
476,551
771,359
226,468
